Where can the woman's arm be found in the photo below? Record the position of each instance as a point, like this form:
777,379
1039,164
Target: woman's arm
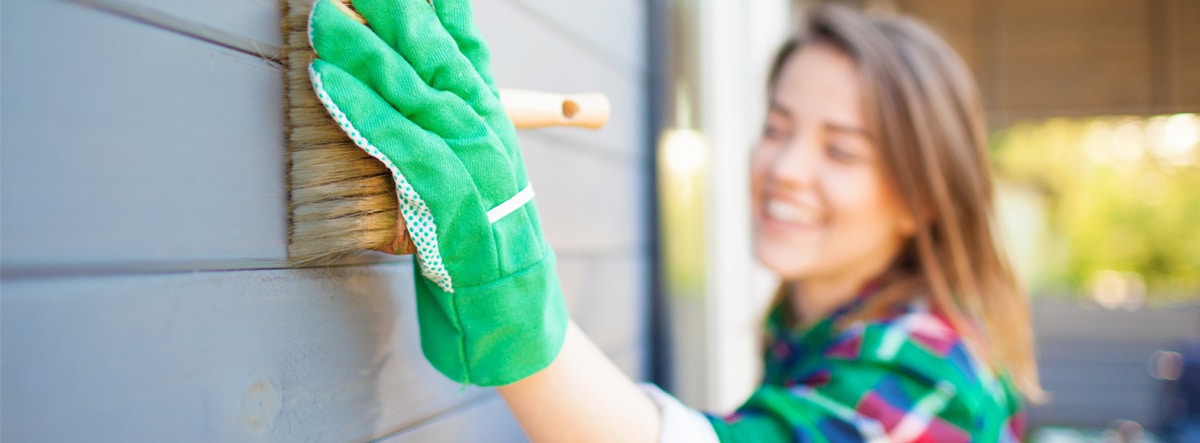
582,397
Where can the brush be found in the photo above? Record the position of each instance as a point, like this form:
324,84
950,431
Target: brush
340,199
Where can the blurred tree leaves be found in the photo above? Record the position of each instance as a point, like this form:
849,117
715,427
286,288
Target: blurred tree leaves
1121,194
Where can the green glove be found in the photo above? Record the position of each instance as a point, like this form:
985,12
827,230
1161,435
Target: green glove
415,91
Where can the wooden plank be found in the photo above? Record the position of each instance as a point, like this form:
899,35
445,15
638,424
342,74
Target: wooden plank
168,154
581,44
1097,409
317,355
1086,349
1075,55
1097,389
1045,59
1183,53
486,419
255,21
586,204
1113,377
1095,363
328,354
953,21
1064,319
612,30
139,146
631,360
603,289
527,54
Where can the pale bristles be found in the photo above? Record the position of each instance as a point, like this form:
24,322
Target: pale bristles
341,201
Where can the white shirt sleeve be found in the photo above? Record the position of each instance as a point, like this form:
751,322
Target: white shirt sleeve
679,423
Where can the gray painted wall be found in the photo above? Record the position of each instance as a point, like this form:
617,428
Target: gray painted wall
143,289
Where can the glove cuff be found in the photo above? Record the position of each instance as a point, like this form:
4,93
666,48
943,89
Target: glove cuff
496,333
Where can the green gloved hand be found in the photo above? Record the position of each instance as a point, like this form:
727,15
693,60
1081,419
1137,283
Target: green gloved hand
415,91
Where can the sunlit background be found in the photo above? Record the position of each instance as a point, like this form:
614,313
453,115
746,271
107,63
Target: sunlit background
1104,208
1095,142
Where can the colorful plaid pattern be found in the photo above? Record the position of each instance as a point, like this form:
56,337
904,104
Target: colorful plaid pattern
905,378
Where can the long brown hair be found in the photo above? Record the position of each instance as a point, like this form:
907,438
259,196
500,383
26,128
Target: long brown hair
924,111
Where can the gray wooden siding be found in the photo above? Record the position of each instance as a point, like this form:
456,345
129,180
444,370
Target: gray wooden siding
1095,363
143,230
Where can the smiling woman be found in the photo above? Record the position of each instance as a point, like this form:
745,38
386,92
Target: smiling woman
897,318
824,210
871,200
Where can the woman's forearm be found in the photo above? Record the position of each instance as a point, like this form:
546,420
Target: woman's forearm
582,397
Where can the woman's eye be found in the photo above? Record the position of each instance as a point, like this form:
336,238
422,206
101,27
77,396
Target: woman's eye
774,132
838,153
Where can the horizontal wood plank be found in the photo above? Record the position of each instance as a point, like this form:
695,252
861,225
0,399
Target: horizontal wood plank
613,30
586,204
486,419
596,50
527,54
328,354
1075,52
1183,53
139,146
251,24
317,355
1064,319
604,289
1095,363
168,155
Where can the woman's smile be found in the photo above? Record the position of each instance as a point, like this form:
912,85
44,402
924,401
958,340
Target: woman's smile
789,215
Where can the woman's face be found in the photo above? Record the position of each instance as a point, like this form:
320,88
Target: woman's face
822,207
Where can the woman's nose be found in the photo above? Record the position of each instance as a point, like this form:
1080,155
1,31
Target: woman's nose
797,163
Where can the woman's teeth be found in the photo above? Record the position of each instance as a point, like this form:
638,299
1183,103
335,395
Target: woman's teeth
790,213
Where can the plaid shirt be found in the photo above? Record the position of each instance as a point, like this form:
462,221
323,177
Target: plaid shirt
907,377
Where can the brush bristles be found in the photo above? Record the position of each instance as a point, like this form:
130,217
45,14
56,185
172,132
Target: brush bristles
341,200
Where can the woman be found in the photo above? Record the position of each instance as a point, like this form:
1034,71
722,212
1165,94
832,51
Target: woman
897,318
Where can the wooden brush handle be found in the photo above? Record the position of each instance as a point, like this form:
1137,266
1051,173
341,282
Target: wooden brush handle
534,109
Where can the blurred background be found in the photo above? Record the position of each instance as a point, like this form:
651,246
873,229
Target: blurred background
1095,143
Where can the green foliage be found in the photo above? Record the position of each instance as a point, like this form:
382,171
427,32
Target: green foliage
1119,195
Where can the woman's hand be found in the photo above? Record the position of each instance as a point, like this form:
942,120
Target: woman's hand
414,89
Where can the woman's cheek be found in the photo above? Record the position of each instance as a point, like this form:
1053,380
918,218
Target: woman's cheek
849,191
860,217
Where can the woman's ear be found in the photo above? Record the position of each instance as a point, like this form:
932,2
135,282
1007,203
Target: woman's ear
908,224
